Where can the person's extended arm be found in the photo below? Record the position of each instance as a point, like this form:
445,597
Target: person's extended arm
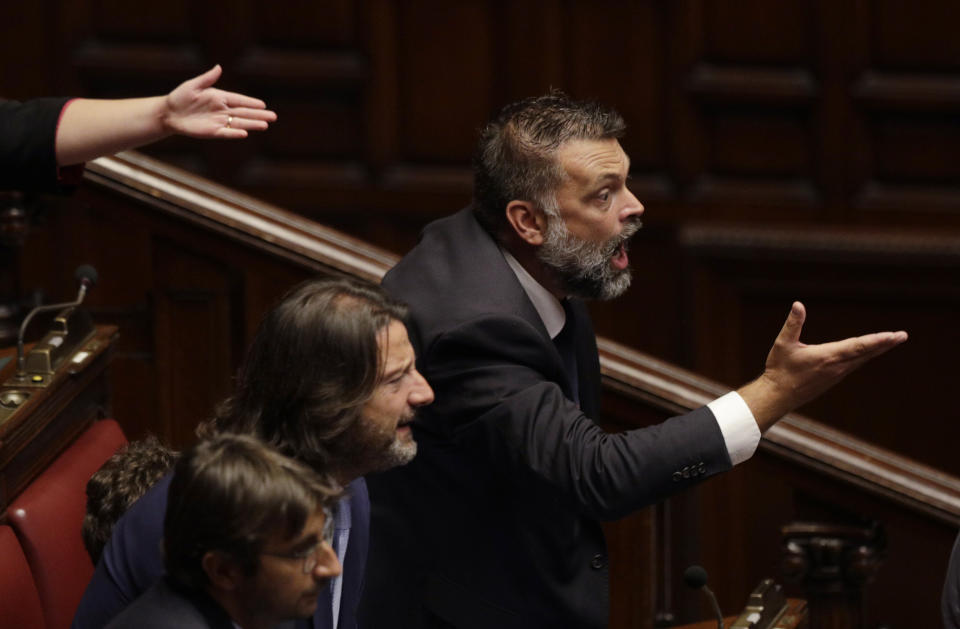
796,373
92,128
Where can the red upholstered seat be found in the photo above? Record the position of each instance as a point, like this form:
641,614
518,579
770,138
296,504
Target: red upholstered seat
19,601
47,518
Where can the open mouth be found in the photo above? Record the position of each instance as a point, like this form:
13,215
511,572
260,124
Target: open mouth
404,425
619,260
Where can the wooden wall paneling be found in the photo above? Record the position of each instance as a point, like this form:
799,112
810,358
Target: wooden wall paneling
834,151
906,98
650,315
183,289
198,312
299,24
84,231
427,120
440,103
803,471
307,62
854,97
747,279
930,43
18,40
650,549
764,494
113,52
753,93
640,573
438,106
913,288
211,282
738,535
382,41
859,160
631,74
915,546
688,153
103,232
531,49
753,31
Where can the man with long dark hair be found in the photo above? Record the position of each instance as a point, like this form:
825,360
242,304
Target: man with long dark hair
329,380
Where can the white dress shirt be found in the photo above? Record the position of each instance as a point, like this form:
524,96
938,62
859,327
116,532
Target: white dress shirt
737,424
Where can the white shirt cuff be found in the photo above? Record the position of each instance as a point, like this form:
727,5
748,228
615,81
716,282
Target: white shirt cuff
737,425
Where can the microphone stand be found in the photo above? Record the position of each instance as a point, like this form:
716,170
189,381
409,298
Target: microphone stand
21,360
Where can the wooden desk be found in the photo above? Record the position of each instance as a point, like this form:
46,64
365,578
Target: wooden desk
52,417
794,618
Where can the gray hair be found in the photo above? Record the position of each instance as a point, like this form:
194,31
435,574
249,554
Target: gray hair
516,154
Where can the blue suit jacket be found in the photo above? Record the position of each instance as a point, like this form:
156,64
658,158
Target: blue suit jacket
132,562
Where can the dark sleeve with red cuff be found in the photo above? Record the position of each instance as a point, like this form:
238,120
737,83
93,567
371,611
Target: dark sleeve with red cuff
28,160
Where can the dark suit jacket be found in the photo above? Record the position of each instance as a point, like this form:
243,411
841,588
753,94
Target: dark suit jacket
500,509
167,606
950,601
131,562
27,145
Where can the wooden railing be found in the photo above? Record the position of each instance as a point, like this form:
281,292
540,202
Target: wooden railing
796,438
270,229
893,519
189,266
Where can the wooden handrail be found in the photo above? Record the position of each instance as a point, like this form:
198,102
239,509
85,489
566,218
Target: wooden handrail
631,373
809,471
797,438
225,210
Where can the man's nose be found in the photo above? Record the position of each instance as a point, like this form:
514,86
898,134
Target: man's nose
632,208
422,393
328,566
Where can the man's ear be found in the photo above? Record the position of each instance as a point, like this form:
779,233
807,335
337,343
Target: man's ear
224,573
527,221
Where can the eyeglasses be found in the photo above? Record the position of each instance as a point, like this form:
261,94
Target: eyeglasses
309,555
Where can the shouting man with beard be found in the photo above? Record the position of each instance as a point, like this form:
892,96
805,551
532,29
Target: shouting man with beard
496,523
331,381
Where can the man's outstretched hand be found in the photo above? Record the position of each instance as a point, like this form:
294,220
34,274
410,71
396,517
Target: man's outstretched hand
796,373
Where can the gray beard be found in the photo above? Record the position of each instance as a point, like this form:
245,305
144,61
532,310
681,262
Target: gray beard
399,453
583,267
366,451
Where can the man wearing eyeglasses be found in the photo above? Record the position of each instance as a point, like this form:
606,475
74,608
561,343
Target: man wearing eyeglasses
246,538
329,380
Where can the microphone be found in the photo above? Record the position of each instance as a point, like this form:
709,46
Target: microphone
696,577
86,275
